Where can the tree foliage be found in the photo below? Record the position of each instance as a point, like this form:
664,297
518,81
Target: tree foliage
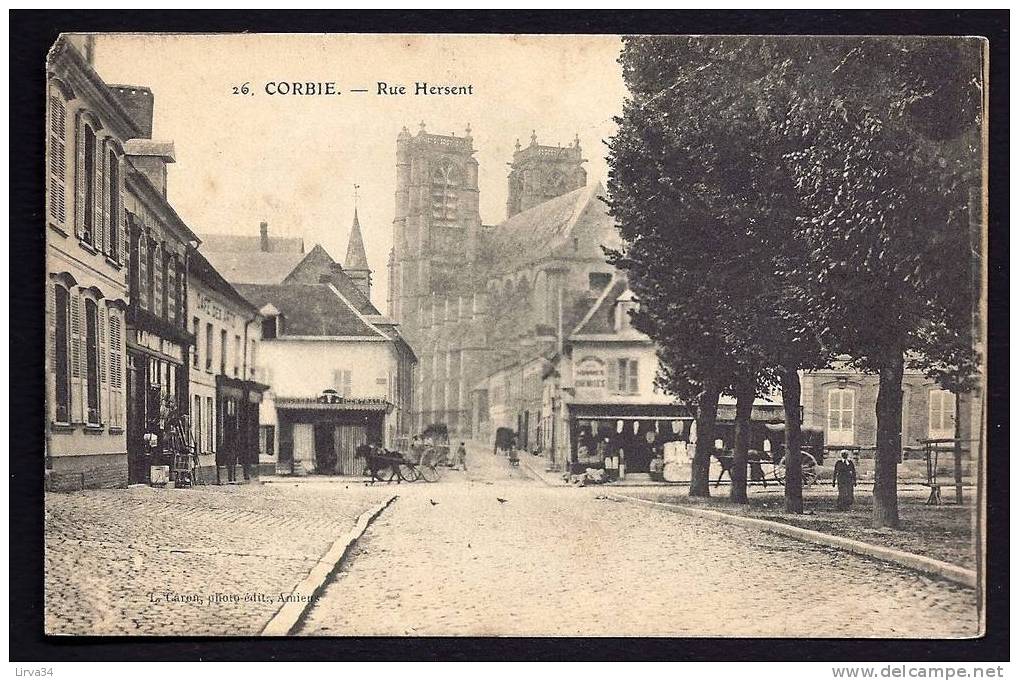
782,200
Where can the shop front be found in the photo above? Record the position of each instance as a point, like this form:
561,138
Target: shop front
632,436
156,391
322,435
237,432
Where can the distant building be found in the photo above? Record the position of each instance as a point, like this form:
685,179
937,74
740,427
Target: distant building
225,392
470,298
842,402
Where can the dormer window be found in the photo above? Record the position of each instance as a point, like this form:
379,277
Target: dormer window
272,326
625,305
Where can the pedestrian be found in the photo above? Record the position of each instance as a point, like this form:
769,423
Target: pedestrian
845,480
460,461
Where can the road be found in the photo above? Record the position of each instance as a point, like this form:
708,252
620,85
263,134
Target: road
452,559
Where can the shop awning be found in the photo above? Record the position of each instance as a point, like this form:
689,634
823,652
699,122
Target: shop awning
630,411
342,405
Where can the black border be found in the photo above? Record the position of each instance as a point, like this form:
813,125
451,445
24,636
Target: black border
33,32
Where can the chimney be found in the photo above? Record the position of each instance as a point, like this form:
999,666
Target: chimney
138,102
263,229
151,158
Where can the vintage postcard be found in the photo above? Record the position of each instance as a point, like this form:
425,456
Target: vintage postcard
515,335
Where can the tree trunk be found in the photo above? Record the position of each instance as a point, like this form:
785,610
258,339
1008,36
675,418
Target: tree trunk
707,413
889,443
793,458
744,409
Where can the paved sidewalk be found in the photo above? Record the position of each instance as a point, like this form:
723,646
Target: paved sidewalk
204,561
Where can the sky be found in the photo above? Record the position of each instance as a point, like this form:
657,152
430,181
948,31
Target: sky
294,160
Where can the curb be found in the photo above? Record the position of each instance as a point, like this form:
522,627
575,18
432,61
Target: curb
291,614
938,568
535,475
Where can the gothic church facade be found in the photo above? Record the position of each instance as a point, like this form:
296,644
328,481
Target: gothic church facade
473,299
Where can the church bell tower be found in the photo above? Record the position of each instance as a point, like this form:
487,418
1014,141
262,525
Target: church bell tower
539,173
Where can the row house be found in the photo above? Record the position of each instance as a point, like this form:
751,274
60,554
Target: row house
225,395
88,125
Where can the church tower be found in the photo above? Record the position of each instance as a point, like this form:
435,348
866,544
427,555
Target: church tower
355,265
539,173
437,222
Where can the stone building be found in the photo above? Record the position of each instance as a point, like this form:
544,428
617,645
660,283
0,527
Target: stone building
225,392
90,127
472,299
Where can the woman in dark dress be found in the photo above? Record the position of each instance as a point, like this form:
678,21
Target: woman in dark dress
845,479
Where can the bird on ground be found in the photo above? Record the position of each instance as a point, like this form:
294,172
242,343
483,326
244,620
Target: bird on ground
501,500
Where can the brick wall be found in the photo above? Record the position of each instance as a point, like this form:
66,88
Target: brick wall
75,473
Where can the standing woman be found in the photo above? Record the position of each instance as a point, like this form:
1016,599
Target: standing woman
845,479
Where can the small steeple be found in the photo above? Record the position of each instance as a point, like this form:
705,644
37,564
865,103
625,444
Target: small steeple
356,258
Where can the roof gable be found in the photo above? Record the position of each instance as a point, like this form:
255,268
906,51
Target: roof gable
311,310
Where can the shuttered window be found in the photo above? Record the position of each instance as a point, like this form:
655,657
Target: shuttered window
114,217
116,368
85,180
92,390
77,358
58,160
61,367
342,382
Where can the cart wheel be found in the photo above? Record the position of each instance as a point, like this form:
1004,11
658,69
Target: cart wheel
408,473
429,473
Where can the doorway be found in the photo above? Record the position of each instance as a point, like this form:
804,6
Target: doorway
325,448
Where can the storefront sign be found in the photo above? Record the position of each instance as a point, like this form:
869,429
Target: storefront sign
214,310
590,374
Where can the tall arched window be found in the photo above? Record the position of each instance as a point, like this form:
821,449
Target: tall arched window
85,207
57,157
115,214
92,395
445,186
61,359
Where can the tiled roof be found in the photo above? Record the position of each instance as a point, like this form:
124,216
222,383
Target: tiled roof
252,267
247,243
547,229
599,319
310,310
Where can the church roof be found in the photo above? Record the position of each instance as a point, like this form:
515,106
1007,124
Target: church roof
311,310
356,258
548,229
239,242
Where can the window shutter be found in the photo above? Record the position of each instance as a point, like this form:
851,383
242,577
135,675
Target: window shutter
102,194
79,179
346,383
58,160
51,327
116,370
338,381
633,377
613,375
104,383
77,359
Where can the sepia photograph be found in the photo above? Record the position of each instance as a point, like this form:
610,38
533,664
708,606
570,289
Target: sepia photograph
508,335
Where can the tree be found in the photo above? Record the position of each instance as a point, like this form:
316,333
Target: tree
706,206
886,151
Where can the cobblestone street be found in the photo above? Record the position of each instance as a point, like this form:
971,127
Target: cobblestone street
451,559
148,561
